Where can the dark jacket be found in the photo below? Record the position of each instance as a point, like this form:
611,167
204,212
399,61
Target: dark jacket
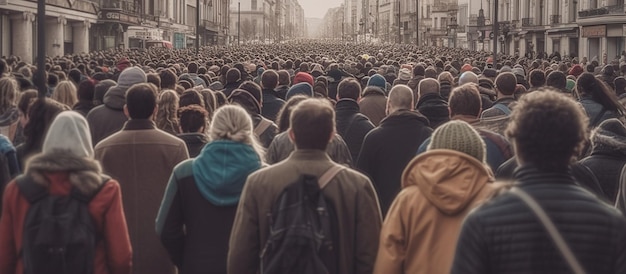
596,111
281,147
271,105
435,108
268,135
281,91
228,88
108,118
445,88
505,236
373,104
388,148
195,142
414,82
493,112
352,125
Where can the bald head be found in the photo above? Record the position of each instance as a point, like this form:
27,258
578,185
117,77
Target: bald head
427,86
400,97
468,77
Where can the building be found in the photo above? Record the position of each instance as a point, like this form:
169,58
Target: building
266,20
602,28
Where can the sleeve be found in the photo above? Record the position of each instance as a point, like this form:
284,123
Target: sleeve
244,247
620,247
423,146
119,250
365,155
271,156
392,245
8,246
368,223
471,251
170,222
340,153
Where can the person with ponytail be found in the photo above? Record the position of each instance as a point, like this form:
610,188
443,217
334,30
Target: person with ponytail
598,100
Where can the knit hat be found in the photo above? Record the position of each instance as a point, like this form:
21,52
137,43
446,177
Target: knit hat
377,80
301,88
303,77
466,67
570,85
576,70
460,136
69,132
122,64
131,76
404,74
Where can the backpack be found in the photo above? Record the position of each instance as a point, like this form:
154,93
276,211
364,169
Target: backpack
262,126
59,233
303,229
502,107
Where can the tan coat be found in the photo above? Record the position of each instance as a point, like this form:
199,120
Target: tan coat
419,235
141,158
351,193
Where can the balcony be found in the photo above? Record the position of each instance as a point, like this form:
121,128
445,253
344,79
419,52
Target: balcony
445,7
527,22
610,10
438,31
210,25
555,19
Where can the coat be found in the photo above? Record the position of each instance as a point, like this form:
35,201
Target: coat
373,104
109,117
281,147
387,150
505,236
434,107
420,231
195,142
113,250
141,158
354,199
352,125
271,105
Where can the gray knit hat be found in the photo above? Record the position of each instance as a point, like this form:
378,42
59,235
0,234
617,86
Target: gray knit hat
460,136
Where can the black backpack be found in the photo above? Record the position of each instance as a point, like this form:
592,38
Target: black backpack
303,229
59,233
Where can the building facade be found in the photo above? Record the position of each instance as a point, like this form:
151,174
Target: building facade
266,21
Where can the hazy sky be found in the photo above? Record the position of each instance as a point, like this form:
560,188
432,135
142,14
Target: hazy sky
318,8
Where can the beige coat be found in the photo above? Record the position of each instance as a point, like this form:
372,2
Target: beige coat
419,235
352,194
141,158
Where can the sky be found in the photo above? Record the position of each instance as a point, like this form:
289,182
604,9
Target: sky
318,8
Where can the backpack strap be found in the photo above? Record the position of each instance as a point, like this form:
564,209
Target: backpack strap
503,108
262,126
547,223
329,175
29,189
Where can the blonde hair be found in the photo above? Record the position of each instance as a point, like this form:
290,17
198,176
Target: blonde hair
65,93
232,122
8,94
167,115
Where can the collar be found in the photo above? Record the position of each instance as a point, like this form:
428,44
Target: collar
470,119
531,175
309,155
139,124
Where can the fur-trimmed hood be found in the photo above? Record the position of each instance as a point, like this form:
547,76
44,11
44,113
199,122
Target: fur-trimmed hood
609,137
84,173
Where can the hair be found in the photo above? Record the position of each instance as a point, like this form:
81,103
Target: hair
283,78
53,80
233,123
233,76
557,79
167,118
41,112
548,129
537,78
220,99
86,90
192,118
8,94
209,101
141,100
312,123
168,79
192,67
65,93
26,98
589,85
349,88
400,97
426,86
620,85
282,118
154,79
269,79
190,97
465,100
254,89
506,83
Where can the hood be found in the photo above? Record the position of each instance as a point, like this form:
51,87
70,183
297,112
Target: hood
84,172
9,117
115,97
609,137
221,170
449,179
300,89
404,118
69,132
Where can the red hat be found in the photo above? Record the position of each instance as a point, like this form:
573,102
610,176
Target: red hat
303,77
466,67
576,70
123,64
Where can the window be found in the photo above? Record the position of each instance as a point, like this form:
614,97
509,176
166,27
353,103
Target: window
253,4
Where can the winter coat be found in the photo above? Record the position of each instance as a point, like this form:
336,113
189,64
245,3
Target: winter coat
229,88
494,112
387,150
351,193
505,236
445,88
352,125
9,122
435,108
83,107
201,191
195,142
419,234
373,104
271,105
108,118
281,147
141,158
62,173
596,112
414,83
281,91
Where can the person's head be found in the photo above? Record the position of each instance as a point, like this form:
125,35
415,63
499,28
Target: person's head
254,89
86,90
192,67
465,100
141,101
192,119
269,79
588,85
427,86
547,130
166,117
69,134
101,89
233,123
190,97
312,124
53,80
154,79
377,80
303,77
349,88
65,93
8,94
25,100
468,77
506,83
233,76
168,79
283,78
537,78
282,118
418,70
459,136
400,98
620,85
131,76
41,113
557,80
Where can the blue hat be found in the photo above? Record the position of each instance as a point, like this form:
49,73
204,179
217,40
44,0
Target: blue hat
300,88
377,80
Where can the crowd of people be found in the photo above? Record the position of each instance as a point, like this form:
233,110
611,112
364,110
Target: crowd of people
429,157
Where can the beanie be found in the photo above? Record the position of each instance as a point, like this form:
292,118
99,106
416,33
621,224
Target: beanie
131,76
303,77
377,80
570,85
576,70
301,88
466,67
459,136
404,74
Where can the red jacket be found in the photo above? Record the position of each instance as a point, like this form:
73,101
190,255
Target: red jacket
113,252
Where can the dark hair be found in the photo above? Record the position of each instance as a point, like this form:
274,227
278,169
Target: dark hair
192,67
192,118
269,79
190,97
220,99
537,78
86,91
283,78
41,113
465,100
557,79
254,89
26,99
506,83
53,80
282,118
312,122
233,76
141,100
168,79
548,129
154,79
349,88
589,85
209,101
620,85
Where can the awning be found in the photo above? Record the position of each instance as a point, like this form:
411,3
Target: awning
522,33
560,30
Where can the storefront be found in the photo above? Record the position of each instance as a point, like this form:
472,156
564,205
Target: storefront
109,32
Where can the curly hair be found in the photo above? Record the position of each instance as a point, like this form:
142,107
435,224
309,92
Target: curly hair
548,129
167,115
